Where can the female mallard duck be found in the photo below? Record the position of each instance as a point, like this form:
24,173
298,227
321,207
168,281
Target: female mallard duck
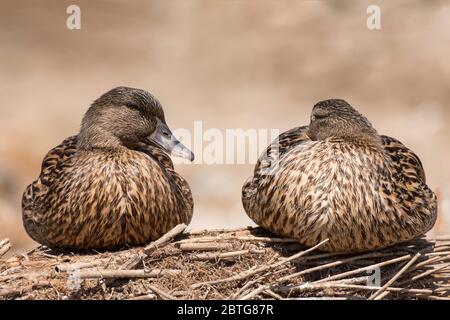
339,179
112,185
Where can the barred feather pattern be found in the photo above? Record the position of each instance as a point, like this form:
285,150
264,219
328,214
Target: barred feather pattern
104,199
361,196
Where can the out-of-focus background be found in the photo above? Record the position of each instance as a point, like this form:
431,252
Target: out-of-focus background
229,63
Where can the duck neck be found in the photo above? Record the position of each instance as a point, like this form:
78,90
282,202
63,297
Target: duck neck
360,138
92,138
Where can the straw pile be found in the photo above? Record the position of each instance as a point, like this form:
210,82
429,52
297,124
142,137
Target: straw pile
247,263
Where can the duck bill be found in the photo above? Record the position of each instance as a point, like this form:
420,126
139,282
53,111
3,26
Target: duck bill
165,139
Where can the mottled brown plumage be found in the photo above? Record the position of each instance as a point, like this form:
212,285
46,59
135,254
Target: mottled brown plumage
339,179
113,185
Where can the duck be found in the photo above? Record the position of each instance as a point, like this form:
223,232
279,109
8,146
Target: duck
113,185
338,179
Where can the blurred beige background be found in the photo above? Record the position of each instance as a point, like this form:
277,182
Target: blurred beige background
229,63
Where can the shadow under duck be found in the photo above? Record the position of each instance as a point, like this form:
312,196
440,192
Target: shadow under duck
113,185
339,179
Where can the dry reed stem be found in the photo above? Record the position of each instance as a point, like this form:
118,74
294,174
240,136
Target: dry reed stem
226,255
161,293
395,277
5,245
165,239
203,246
426,273
76,266
359,270
114,274
149,296
327,285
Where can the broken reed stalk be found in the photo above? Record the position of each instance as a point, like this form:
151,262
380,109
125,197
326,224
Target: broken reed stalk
115,274
255,292
336,284
272,294
149,296
394,278
441,253
204,246
165,239
246,286
309,285
5,245
359,270
426,273
76,266
226,255
426,262
161,293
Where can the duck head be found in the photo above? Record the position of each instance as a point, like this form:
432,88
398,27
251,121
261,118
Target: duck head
338,119
131,118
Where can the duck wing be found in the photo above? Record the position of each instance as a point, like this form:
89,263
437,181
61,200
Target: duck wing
291,138
280,146
37,197
403,158
267,162
52,165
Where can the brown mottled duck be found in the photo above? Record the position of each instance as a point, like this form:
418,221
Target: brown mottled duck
113,185
339,179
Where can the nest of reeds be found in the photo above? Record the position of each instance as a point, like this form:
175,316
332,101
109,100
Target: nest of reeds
247,263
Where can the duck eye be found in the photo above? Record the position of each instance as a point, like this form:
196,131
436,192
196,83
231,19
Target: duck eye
132,106
318,116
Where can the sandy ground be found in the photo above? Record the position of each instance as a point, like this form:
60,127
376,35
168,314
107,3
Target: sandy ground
230,64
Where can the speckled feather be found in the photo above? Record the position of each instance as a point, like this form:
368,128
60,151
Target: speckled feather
360,195
100,199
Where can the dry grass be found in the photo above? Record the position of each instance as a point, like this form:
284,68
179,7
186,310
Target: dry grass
246,263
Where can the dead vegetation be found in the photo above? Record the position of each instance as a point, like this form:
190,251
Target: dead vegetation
247,263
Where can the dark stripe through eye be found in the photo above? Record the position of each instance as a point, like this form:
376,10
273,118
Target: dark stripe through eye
320,116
